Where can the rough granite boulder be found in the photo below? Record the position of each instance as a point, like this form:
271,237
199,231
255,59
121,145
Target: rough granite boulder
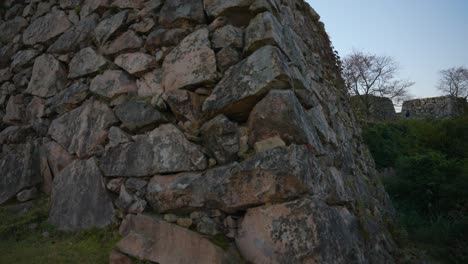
152,239
137,113
46,28
136,63
164,150
85,62
182,13
190,64
11,28
48,77
112,83
79,198
275,175
303,231
82,130
19,165
221,137
245,83
287,119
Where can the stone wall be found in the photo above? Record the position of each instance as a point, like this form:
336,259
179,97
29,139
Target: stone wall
434,107
186,120
373,108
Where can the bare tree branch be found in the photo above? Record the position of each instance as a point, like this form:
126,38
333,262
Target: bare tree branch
454,82
368,74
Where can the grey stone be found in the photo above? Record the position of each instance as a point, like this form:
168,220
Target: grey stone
191,63
165,38
83,129
184,104
182,13
279,174
117,136
23,58
20,170
69,98
221,137
79,199
46,28
91,6
227,57
5,75
15,110
136,63
248,81
67,4
150,84
26,195
164,150
48,77
76,36
137,113
86,62
301,230
109,26
287,119
216,8
134,4
126,42
228,36
11,28
113,83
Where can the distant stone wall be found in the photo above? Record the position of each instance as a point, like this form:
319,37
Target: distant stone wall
434,107
380,108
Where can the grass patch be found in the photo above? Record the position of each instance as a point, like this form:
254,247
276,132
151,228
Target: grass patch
28,238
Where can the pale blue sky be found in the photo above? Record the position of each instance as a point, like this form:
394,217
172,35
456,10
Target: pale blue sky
424,36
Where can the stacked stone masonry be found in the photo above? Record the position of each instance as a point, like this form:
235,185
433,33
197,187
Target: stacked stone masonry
188,120
433,107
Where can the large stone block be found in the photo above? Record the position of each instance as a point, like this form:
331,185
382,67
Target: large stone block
182,13
79,198
46,27
48,77
274,175
149,238
303,231
245,83
164,150
190,64
19,166
82,130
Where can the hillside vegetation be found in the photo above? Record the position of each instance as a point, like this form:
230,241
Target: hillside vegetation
430,185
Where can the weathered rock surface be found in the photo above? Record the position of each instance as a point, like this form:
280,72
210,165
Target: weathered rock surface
69,98
182,13
11,28
19,165
164,150
151,239
191,63
216,8
112,83
127,41
15,110
246,82
82,130
22,59
302,231
136,63
276,175
137,114
221,137
79,198
287,120
107,27
46,27
76,36
85,62
228,36
184,104
48,77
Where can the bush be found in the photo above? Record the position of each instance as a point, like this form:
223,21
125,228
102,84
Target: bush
430,188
